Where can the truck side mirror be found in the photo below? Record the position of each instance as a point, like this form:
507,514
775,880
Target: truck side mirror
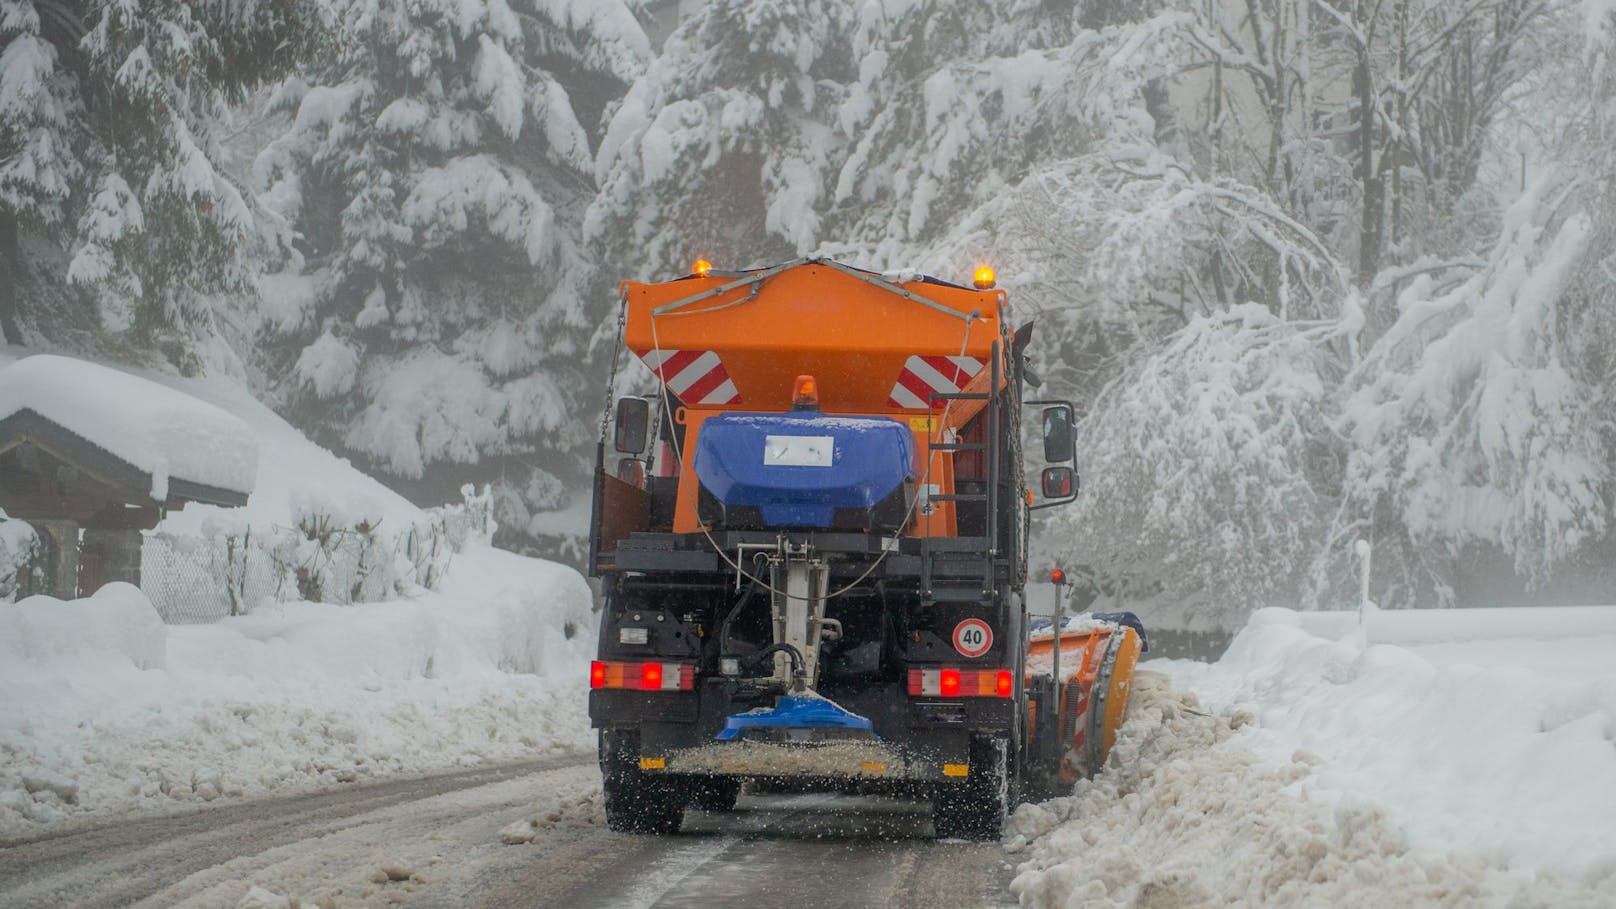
632,472
633,425
1059,444
1060,483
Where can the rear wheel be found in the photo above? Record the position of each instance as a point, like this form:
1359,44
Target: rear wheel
635,801
975,808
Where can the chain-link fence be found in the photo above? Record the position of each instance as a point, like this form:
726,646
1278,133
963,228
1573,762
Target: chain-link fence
191,579
204,579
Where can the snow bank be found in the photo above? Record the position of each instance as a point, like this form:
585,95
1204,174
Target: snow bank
1185,815
1434,626
1472,748
157,429
115,627
95,721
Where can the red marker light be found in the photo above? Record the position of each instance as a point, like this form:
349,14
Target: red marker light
651,676
597,674
1003,684
948,683
1056,576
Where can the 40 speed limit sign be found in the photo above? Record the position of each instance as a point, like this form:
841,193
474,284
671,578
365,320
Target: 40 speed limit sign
972,638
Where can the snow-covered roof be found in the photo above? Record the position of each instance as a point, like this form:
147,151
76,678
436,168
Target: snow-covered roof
171,438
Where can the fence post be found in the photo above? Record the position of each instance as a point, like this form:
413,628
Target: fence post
1365,605
230,550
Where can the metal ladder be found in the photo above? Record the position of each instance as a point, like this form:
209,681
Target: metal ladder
982,550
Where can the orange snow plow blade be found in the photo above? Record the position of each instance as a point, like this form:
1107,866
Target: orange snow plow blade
1096,677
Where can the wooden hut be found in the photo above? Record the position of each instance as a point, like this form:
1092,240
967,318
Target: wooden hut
91,456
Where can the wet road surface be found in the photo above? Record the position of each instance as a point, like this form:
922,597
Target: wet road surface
437,842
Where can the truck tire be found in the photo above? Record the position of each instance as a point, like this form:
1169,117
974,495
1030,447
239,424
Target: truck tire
635,801
715,793
975,808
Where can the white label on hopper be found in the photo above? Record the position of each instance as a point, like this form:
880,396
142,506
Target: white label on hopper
798,451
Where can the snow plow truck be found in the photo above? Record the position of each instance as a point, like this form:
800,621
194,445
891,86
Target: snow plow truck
811,540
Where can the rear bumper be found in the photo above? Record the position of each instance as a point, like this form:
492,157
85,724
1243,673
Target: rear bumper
828,760
915,738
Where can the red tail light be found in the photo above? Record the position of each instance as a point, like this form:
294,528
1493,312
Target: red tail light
955,683
642,676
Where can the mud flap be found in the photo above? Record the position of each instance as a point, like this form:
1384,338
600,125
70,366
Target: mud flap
975,808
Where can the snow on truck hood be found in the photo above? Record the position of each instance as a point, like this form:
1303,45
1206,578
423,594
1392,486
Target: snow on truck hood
163,432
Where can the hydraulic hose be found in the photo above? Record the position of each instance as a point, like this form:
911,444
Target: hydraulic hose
745,598
799,675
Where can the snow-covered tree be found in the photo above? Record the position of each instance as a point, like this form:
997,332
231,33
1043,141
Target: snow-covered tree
109,180
955,106
724,147
1015,132
1207,467
1107,251
865,129
1467,422
1480,423
1427,79
434,168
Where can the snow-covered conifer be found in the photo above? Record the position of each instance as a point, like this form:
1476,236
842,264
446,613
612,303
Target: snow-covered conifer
108,155
433,168
723,148
864,129
954,105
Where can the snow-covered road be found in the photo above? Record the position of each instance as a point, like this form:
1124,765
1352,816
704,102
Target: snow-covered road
446,841
320,847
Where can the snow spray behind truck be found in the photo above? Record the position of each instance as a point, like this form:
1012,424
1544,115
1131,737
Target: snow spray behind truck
812,546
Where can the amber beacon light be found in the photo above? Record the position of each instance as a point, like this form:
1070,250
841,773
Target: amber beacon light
805,394
701,268
984,278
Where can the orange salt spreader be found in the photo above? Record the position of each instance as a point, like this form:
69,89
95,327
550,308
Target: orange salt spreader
736,342
812,547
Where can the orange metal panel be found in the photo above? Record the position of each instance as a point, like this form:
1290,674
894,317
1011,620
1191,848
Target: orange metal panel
1080,653
850,334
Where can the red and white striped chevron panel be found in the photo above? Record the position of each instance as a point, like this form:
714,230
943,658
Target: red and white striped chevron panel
922,377
696,376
